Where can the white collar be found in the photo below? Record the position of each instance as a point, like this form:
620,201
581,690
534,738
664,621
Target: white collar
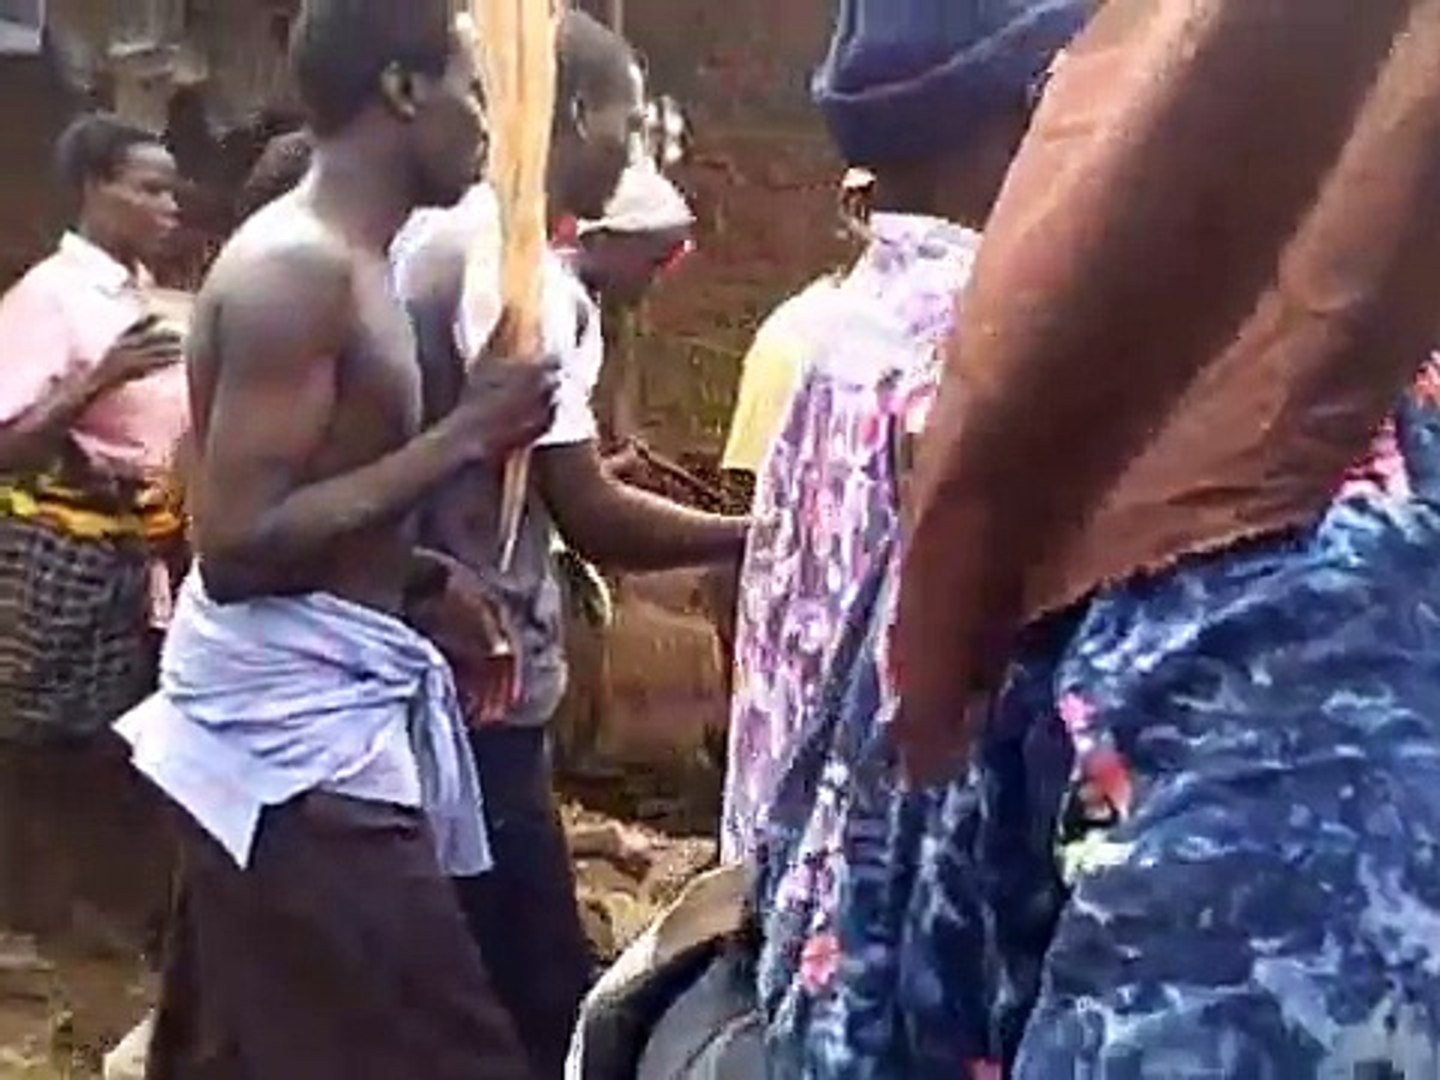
101,268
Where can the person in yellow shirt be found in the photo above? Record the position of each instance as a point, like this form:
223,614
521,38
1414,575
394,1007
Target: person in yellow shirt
771,371
769,377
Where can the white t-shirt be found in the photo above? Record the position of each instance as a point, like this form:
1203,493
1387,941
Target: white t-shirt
571,318
463,515
571,331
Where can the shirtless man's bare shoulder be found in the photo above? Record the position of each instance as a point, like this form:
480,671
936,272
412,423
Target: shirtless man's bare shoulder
306,391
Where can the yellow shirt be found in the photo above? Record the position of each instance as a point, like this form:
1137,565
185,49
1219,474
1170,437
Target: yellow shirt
770,377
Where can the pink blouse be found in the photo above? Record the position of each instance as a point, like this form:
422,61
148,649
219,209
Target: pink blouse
56,324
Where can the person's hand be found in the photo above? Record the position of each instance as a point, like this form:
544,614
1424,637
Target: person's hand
626,462
147,347
506,405
464,623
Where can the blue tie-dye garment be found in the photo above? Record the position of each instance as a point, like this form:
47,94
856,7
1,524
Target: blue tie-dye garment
1201,837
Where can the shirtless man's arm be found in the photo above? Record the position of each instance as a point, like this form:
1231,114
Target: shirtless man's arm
1170,131
620,527
276,386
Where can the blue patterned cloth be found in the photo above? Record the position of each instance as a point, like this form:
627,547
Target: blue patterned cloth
1201,837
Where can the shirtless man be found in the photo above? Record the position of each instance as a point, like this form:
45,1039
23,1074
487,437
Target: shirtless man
319,937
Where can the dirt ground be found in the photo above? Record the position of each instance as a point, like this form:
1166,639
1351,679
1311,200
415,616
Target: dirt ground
61,1011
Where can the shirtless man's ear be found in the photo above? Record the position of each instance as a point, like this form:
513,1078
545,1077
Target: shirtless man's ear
405,77
397,90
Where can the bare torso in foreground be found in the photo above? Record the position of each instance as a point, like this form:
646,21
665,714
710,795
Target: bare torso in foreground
341,392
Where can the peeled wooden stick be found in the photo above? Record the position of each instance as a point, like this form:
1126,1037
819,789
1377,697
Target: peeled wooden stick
515,44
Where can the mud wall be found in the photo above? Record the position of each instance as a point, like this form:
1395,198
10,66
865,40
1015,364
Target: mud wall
34,108
762,178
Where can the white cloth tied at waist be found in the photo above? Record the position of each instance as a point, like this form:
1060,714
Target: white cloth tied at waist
263,701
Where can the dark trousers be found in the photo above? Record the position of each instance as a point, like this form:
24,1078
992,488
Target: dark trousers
524,913
340,954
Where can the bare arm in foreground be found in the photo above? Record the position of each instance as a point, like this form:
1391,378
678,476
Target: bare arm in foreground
1112,273
617,526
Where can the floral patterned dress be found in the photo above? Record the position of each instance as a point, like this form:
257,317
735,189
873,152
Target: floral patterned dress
825,501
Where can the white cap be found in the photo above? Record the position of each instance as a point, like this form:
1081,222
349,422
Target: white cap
645,201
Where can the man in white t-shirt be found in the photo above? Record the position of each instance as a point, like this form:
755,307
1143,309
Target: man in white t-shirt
523,913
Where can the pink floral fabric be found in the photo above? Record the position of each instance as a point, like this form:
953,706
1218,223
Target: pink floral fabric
827,497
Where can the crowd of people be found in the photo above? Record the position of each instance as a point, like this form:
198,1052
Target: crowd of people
1083,713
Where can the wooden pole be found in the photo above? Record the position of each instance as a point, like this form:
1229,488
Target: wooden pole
516,49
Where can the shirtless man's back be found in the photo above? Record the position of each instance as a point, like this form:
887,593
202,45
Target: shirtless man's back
310,733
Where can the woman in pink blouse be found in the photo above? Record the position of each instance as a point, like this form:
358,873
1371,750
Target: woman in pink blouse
92,404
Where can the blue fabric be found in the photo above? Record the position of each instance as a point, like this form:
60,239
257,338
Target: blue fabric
912,78
264,701
837,1035
943,899
1236,763
1270,906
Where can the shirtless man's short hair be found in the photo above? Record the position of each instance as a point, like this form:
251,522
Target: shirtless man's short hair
340,48
320,934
